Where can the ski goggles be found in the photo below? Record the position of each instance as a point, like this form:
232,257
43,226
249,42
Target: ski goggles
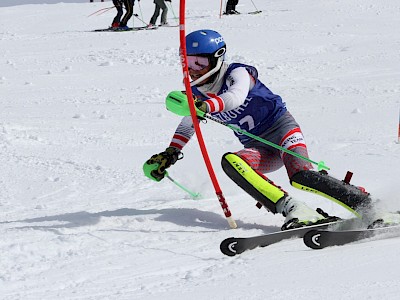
197,63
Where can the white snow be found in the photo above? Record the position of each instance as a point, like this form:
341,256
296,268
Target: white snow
82,111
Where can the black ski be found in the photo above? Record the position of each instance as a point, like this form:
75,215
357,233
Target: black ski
233,246
125,30
171,26
104,30
246,13
320,238
145,28
255,12
110,29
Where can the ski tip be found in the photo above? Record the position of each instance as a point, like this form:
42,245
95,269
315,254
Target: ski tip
311,239
228,247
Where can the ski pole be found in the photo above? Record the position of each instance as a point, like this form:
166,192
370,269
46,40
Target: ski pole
172,9
140,8
177,103
137,16
321,165
255,6
193,194
148,168
101,11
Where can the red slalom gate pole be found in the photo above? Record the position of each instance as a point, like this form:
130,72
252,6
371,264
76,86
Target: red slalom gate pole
182,37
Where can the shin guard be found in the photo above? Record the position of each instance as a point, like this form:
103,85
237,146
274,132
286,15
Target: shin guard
344,194
259,187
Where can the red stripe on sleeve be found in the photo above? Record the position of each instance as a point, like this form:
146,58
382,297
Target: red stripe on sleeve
221,103
181,138
211,105
172,144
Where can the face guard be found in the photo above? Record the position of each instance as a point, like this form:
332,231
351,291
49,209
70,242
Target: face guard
198,63
215,61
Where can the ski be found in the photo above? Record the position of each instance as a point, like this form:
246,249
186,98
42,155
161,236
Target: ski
256,12
321,238
104,30
125,30
111,29
233,246
145,28
172,26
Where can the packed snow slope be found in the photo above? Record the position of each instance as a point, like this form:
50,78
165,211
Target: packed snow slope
82,111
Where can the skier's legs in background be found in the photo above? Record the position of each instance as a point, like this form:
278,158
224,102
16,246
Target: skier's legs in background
159,4
231,7
164,13
129,12
120,11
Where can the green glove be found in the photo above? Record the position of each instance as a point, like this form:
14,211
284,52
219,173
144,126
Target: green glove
177,103
155,167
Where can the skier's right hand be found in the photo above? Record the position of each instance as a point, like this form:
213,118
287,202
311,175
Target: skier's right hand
201,105
164,160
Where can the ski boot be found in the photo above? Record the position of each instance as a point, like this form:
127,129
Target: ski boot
298,214
351,197
122,28
382,219
114,25
151,26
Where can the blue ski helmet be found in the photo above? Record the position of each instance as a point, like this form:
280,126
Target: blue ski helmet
205,42
208,43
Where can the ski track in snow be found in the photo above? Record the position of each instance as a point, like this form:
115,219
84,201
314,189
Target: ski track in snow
81,111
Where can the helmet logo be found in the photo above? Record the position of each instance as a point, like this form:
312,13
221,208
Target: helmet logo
218,40
195,44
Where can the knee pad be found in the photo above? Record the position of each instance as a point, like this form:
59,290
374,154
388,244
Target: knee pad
258,186
344,194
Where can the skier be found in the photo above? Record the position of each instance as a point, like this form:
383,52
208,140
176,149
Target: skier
234,94
120,11
159,5
231,7
117,23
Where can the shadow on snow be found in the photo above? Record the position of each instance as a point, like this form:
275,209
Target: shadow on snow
180,216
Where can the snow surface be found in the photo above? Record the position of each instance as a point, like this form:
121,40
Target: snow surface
82,111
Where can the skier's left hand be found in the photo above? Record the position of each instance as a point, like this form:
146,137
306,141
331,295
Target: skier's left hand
164,160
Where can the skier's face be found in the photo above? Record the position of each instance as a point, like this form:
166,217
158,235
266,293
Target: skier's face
198,66
197,74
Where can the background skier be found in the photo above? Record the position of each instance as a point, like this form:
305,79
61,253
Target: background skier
117,23
159,5
231,7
